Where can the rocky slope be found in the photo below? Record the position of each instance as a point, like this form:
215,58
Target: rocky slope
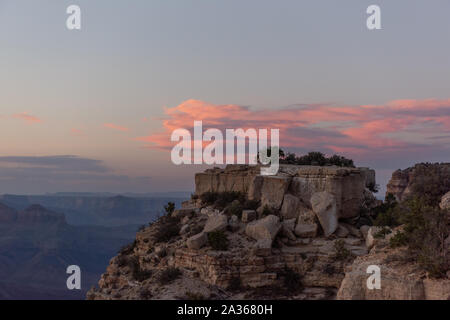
401,279
305,228
411,180
298,235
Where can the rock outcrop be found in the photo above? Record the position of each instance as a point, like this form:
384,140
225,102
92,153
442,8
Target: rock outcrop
445,201
400,280
292,183
306,223
402,183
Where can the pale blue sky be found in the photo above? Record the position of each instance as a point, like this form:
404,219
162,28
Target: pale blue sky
133,58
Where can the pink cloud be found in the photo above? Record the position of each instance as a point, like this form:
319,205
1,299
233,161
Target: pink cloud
115,127
76,132
359,130
28,118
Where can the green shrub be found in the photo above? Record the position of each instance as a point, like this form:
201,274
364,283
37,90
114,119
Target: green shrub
268,211
425,231
218,240
398,240
208,198
430,181
169,208
226,198
122,260
292,280
167,229
340,252
127,249
313,158
250,204
169,275
194,196
234,209
139,274
383,233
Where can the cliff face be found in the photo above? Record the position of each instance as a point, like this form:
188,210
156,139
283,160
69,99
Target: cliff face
405,183
301,229
347,185
296,235
401,279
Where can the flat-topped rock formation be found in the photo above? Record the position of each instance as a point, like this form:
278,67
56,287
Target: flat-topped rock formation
301,234
347,185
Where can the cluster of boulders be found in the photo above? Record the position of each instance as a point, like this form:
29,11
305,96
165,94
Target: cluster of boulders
307,200
308,220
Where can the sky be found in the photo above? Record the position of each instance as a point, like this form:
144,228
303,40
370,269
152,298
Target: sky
93,109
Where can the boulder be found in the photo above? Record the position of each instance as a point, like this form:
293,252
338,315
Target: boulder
306,230
265,228
197,241
364,230
346,184
324,206
216,222
287,229
185,220
184,212
234,223
342,231
398,281
262,248
248,215
445,201
273,190
290,207
184,229
352,229
370,237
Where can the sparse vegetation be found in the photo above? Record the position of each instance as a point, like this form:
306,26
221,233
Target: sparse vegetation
398,240
425,231
145,294
127,249
226,198
169,208
233,203
341,253
235,284
234,209
194,296
383,233
374,187
430,182
208,198
313,158
169,275
268,211
140,274
329,269
218,240
292,280
388,213
250,204
168,228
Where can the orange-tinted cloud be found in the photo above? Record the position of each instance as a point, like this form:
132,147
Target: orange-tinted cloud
76,132
353,130
28,118
115,127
